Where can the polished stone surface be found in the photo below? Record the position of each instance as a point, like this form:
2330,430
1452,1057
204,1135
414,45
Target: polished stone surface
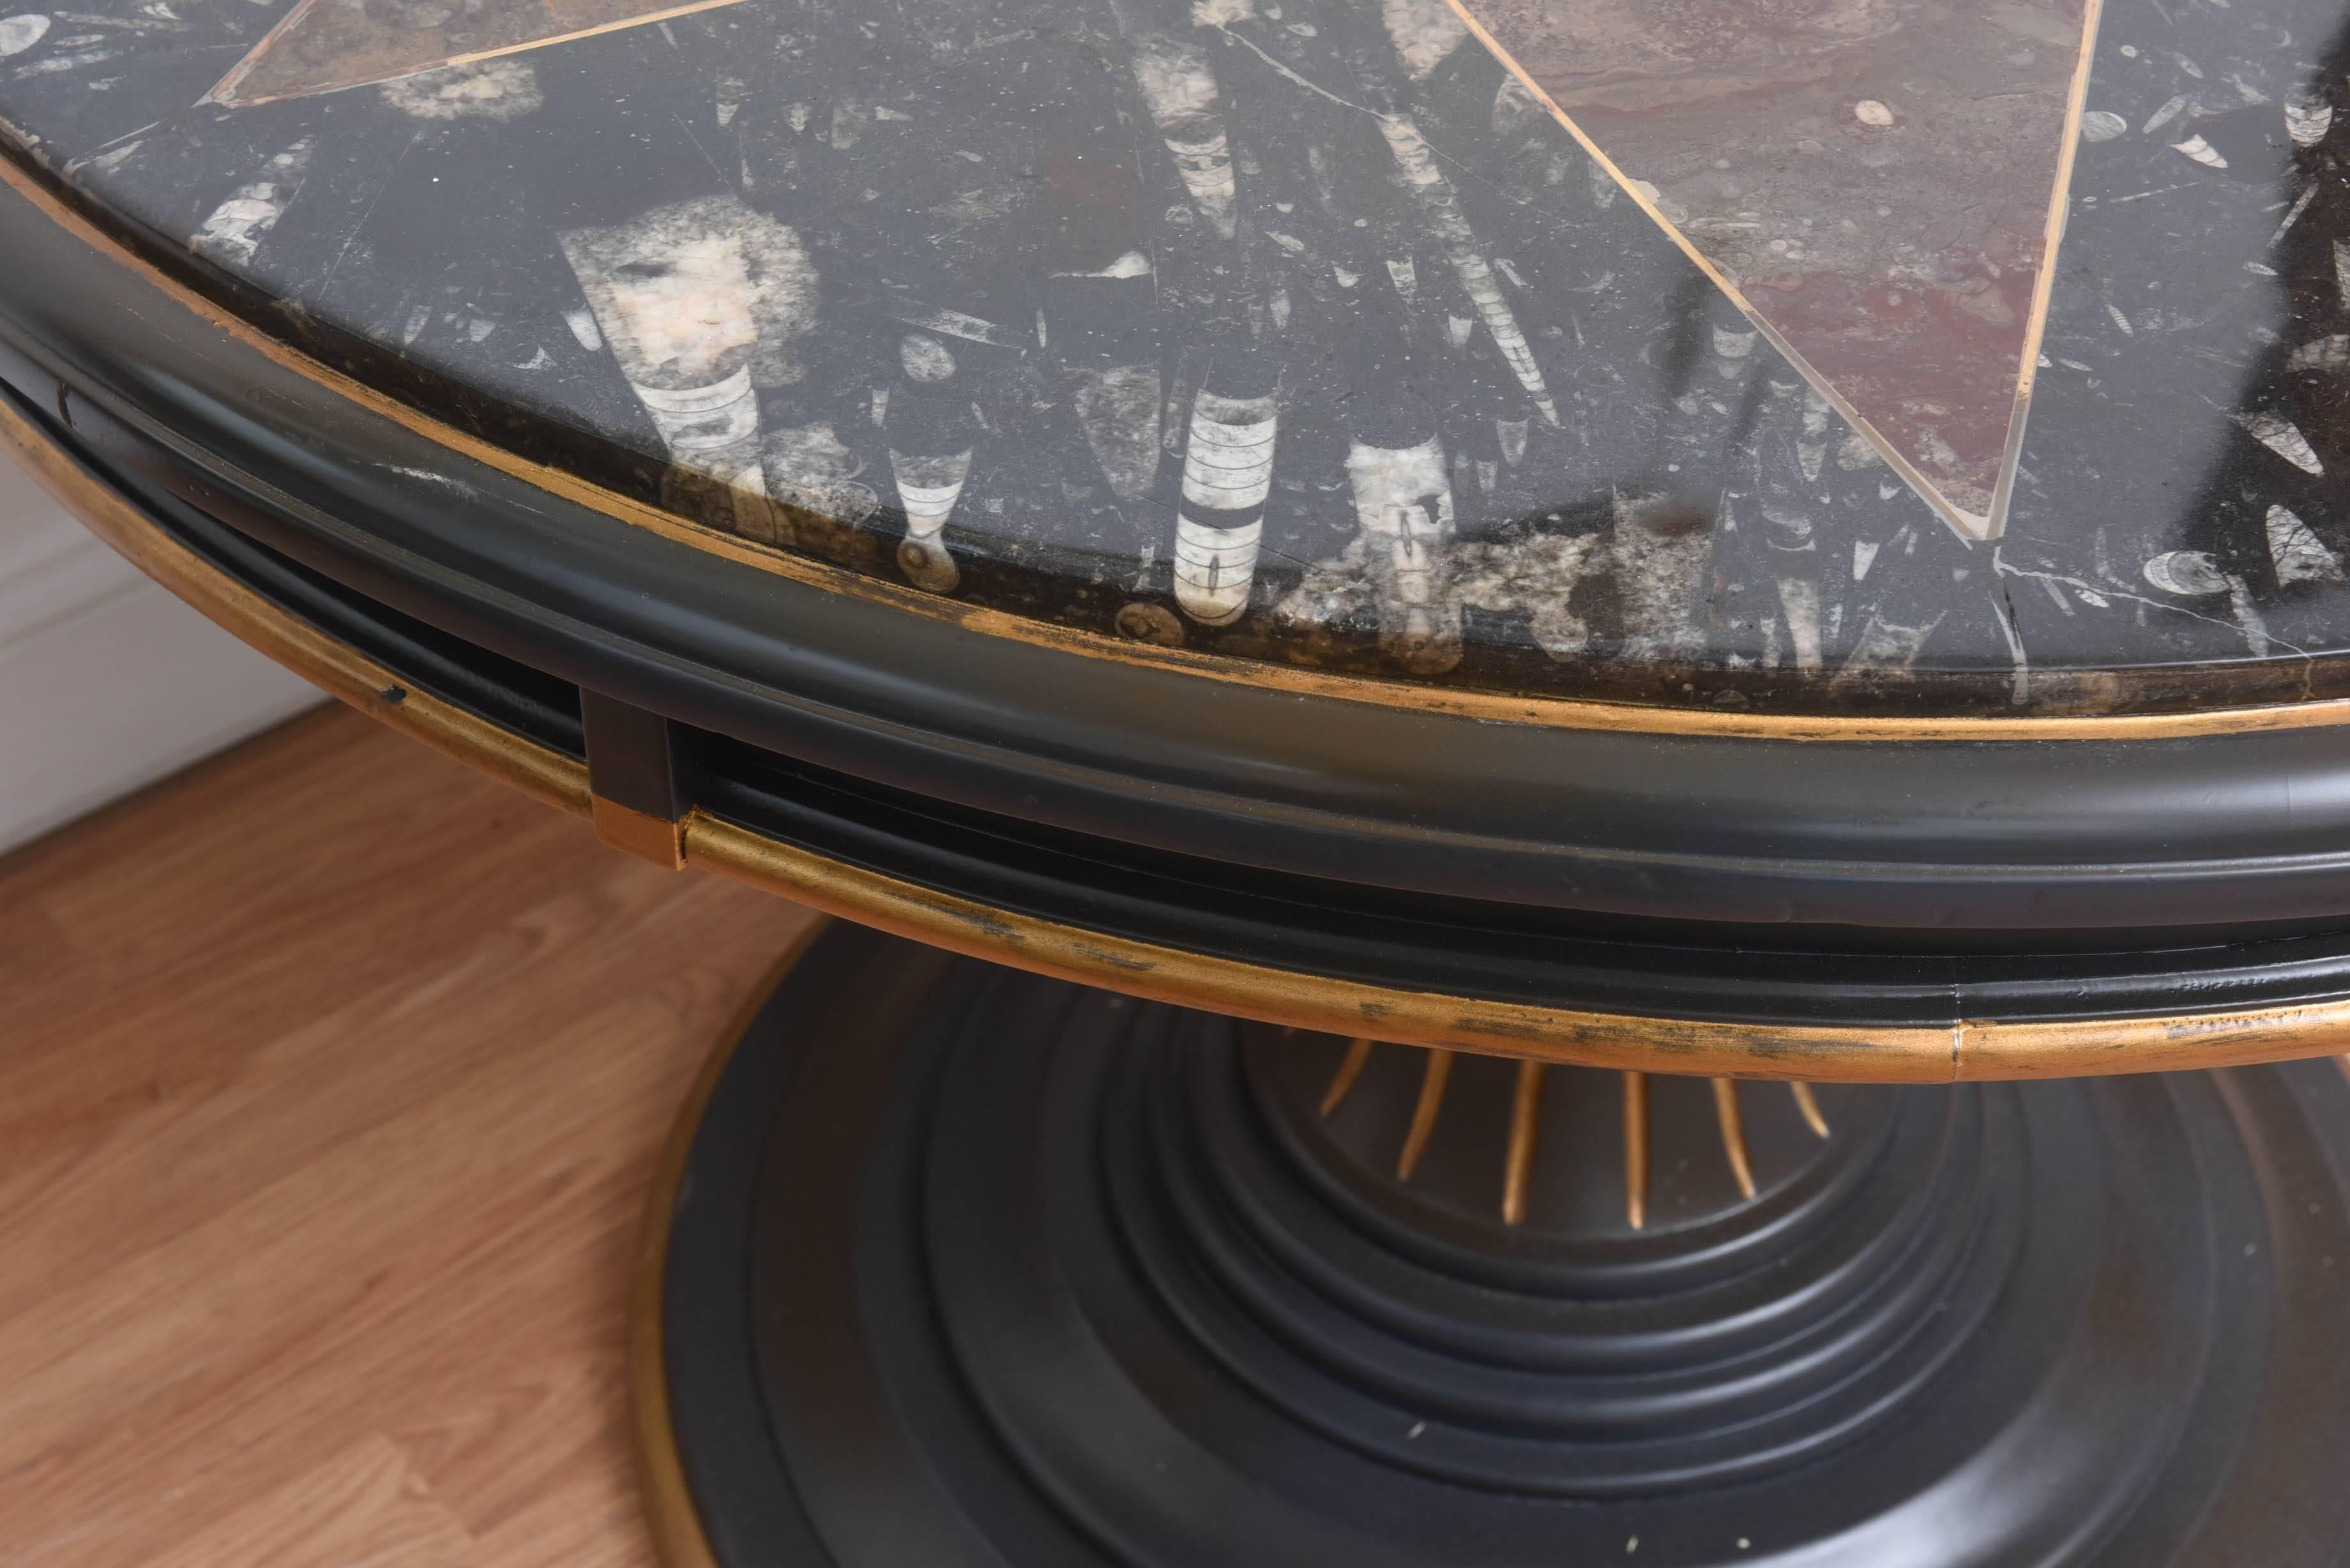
1876,178
1305,332
322,45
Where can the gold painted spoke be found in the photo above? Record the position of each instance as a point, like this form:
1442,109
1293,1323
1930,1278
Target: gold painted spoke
1526,1127
1733,1133
1342,1082
1525,1114
1809,1104
1636,1149
1423,1115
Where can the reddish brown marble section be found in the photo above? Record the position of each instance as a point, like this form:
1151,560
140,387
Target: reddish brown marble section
1874,176
323,45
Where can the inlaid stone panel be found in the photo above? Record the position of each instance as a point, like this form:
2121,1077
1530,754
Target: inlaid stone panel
1880,181
323,46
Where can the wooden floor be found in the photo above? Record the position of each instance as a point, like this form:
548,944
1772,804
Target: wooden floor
331,1078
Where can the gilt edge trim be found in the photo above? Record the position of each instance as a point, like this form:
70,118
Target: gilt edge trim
1553,712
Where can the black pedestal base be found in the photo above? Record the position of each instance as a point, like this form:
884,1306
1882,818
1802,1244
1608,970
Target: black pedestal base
968,1267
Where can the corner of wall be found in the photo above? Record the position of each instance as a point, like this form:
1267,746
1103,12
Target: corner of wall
107,682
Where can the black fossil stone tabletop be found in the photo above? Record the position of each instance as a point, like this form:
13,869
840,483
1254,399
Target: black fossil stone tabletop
1831,354
1467,521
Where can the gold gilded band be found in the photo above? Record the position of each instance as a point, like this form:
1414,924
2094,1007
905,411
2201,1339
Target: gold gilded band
544,775
1486,706
641,834
2044,282
1833,1053
1351,1009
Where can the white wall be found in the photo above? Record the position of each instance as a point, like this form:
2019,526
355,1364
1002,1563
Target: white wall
107,682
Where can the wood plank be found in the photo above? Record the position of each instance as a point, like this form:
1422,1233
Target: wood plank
331,1077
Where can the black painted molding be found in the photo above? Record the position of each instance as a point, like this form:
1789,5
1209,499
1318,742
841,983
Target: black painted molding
1380,841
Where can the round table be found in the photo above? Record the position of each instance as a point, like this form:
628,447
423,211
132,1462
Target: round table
1375,613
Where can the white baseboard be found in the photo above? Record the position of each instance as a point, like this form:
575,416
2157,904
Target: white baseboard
107,682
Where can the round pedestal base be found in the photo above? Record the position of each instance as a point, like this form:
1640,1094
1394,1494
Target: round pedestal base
963,1266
